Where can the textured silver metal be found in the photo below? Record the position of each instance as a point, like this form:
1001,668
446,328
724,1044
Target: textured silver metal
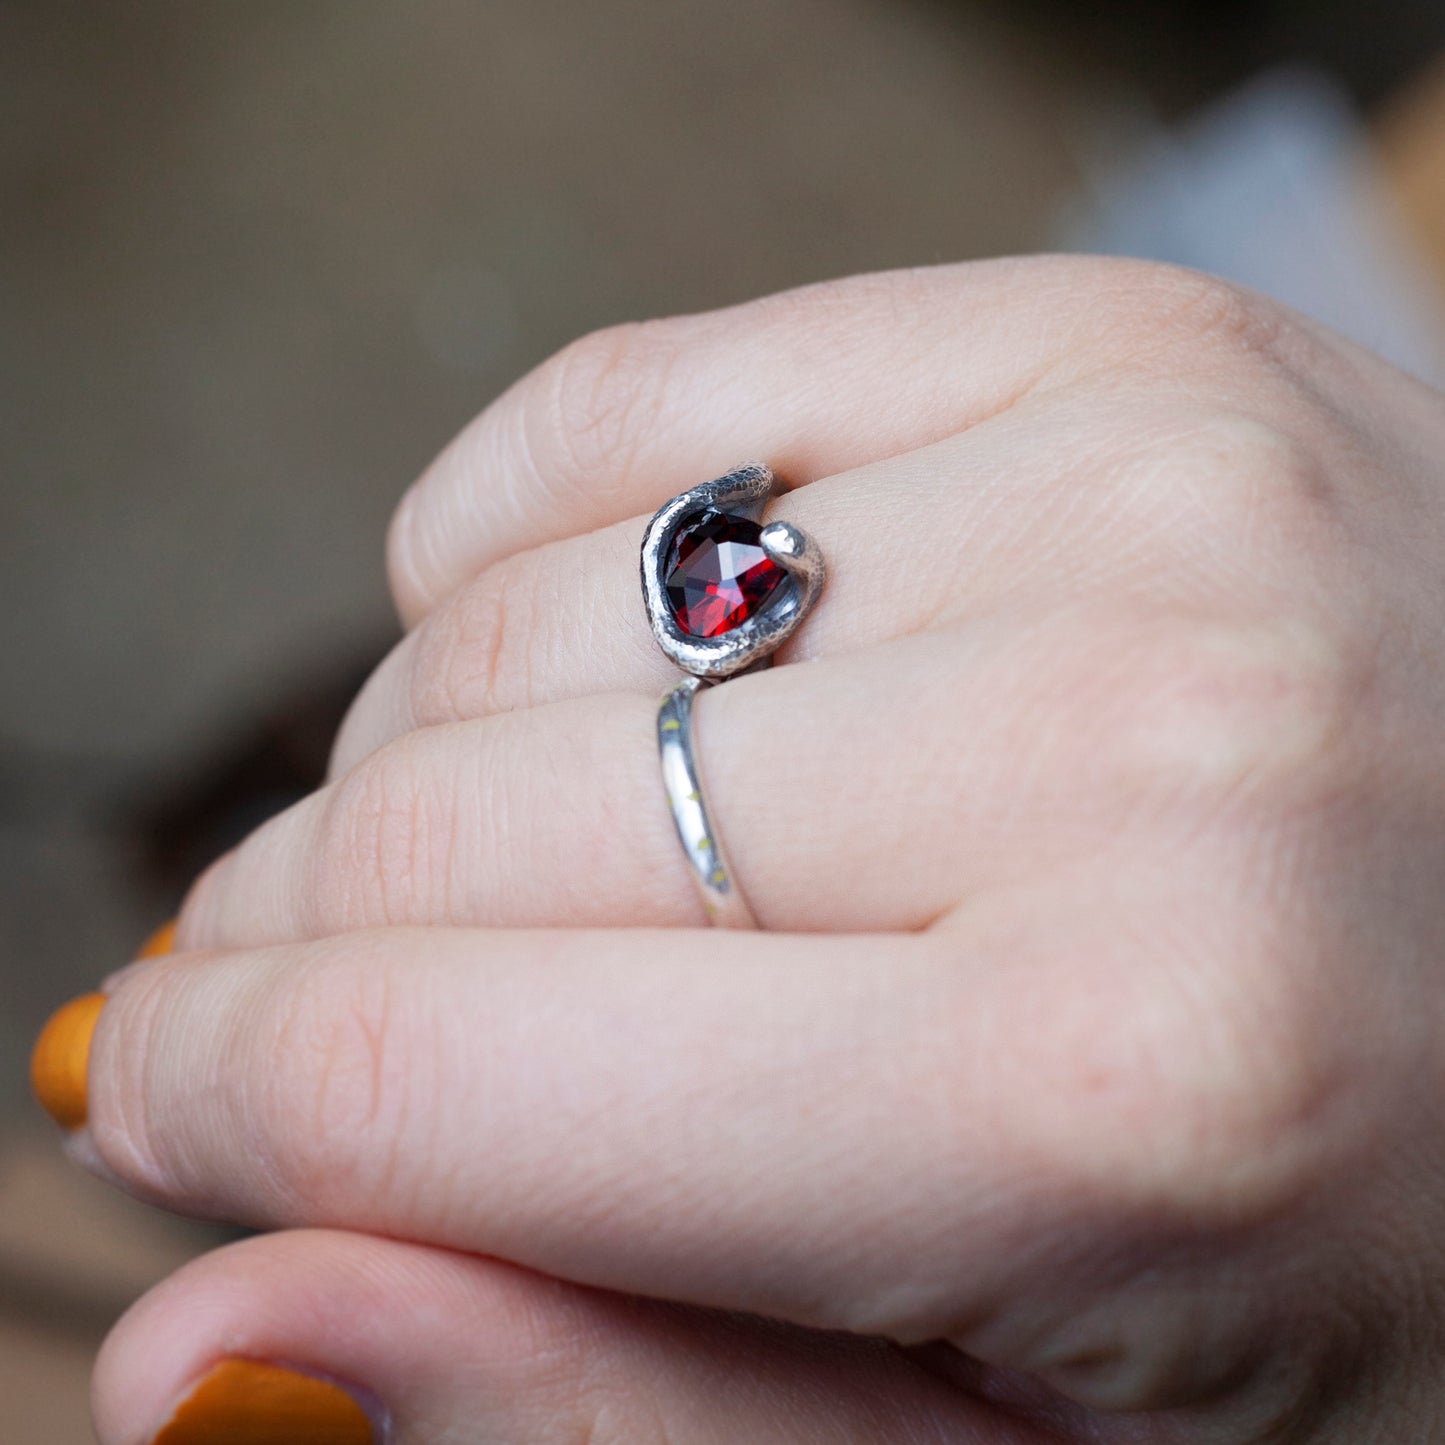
721,897
742,493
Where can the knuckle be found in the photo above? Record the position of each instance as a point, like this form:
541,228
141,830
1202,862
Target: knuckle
465,661
1257,502
330,1123
1246,1121
1209,315
130,1122
1240,716
1242,462
1216,313
594,403
1219,1103
547,1356
1216,1074
307,1080
603,1414
374,861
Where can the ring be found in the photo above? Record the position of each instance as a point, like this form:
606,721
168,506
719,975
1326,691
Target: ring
723,592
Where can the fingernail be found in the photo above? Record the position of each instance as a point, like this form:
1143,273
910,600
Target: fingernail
62,1052
161,942
244,1403
58,1062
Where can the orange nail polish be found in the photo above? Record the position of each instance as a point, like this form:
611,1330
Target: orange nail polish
161,942
244,1403
58,1062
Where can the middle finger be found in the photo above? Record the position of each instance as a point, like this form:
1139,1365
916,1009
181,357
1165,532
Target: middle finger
1043,501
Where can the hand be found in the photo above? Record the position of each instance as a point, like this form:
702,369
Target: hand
1097,833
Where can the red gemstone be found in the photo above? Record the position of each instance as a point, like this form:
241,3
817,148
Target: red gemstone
718,574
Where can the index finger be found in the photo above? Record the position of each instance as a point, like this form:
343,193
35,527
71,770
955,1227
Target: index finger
813,381
913,1136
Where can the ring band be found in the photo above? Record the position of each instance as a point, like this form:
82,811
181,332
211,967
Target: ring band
723,592
721,898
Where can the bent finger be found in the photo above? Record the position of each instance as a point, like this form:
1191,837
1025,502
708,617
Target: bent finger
340,1339
557,816
815,382
398,1083
1044,506
847,1132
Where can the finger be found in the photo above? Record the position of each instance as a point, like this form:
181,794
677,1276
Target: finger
946,1135
442,1347
399,1083
814,382
557,816
819,778
1045,504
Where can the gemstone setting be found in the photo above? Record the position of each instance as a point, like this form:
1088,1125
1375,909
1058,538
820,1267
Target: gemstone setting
718,575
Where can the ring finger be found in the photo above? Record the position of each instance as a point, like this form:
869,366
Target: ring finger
556,817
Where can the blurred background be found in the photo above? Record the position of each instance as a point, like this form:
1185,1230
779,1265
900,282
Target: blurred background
258,262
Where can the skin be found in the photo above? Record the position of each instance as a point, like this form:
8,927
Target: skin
1086,1085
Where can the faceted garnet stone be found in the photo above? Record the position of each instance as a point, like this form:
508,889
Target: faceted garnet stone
718,574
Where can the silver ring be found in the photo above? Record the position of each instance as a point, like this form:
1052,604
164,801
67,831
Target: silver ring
721,898
723,592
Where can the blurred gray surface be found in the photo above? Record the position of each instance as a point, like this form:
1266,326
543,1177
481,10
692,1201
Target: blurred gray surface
1276,186
257,262
260,261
